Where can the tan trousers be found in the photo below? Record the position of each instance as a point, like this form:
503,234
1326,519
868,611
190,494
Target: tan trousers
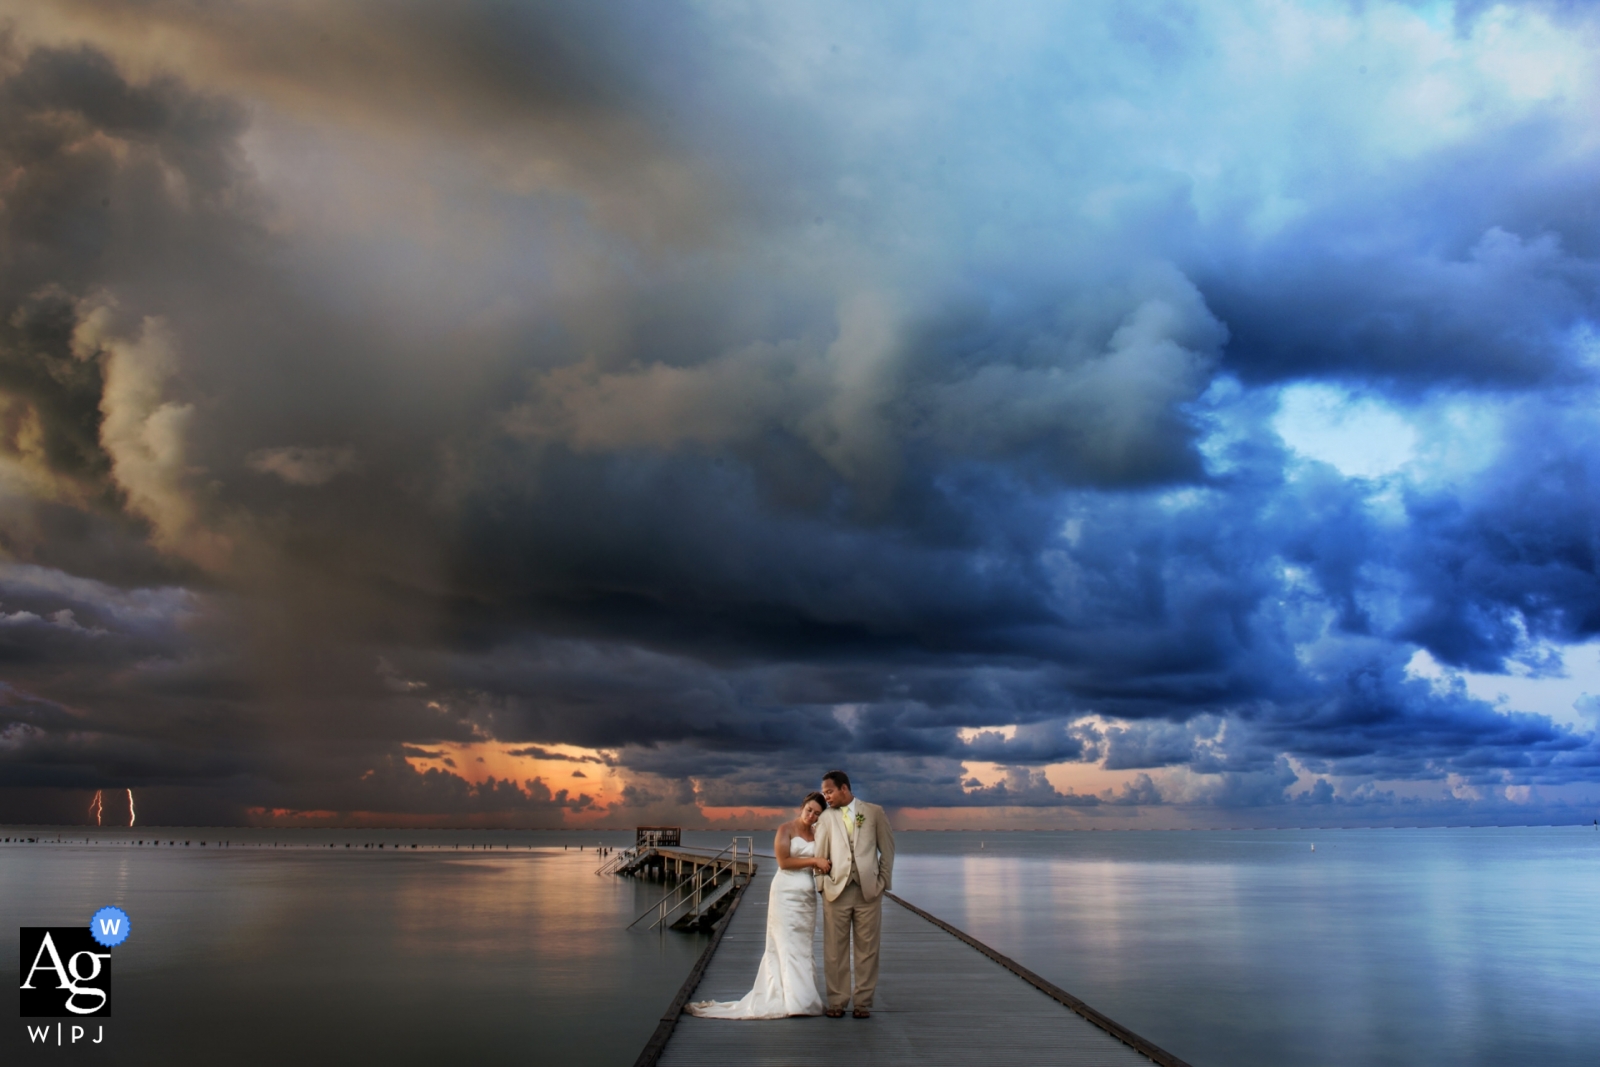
851,914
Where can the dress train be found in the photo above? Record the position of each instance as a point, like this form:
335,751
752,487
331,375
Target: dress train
786,981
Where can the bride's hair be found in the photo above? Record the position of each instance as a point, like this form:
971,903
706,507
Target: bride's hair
822,801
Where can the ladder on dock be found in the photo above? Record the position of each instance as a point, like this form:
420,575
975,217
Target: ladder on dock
625,859
704,889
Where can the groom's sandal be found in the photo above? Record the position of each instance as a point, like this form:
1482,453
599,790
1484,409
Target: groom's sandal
862,1013
835,1013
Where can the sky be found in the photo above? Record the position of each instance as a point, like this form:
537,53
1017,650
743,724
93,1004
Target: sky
1095,415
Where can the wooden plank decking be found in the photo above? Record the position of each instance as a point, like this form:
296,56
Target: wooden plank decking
940,1000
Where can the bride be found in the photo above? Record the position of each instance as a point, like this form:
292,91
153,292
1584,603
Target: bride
786,983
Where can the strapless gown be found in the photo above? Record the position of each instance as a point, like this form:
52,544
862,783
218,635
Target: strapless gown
786,982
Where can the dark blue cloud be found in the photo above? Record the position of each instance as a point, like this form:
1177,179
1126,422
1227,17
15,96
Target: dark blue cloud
800,388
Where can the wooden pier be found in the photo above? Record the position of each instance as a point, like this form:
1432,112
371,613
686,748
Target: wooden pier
943,998
702,884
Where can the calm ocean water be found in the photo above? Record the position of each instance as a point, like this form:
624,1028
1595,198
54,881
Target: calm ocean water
1415,947
1246,948
310,954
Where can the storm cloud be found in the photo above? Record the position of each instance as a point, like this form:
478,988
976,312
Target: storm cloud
1123,413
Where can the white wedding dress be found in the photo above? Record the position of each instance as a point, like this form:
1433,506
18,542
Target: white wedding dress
786,982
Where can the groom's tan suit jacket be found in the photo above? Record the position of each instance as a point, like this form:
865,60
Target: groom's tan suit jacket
869,852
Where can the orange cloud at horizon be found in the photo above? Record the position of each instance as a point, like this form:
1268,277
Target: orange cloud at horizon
761,818
577,770
277,816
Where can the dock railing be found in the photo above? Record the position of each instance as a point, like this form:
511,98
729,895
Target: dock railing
615,861
691,890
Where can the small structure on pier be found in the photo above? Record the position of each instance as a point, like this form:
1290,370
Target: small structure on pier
652,836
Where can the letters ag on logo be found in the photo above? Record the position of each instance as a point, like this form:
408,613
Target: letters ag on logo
64,973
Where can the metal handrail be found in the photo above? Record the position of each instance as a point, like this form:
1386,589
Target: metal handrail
698,878
613,862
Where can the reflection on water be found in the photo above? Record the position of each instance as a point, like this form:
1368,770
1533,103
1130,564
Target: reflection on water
1413,947
263,955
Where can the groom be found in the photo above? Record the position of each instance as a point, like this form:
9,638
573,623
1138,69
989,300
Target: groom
855,837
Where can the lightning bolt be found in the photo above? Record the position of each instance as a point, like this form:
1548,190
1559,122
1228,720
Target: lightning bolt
130,807
96,806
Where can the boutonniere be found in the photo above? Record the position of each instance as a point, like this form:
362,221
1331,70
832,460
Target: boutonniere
861,818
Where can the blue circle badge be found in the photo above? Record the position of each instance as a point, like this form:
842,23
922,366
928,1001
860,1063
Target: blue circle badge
109,926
